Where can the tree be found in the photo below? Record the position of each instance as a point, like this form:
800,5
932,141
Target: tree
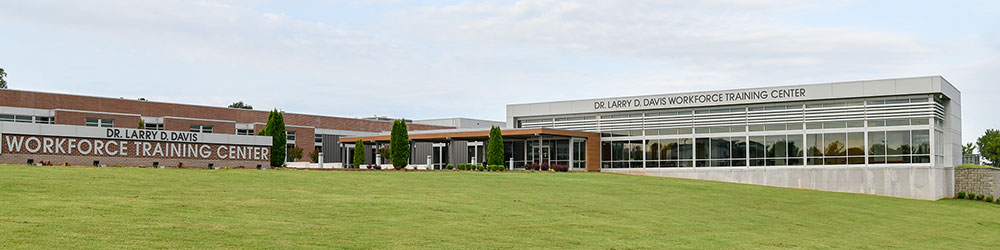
399,144
969,148
142,124
275,128
240,105
3,79
359,154
989,146
494,154
294,153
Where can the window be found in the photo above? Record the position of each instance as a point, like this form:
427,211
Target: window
856,148
835,149
290,136
244,132
775,150
893,147
201,128
154,126
319,139
22,118
6,118
721,151
45,120
97,122
897,101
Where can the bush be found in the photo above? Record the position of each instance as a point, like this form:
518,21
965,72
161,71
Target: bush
275,128
495,168
359,154
314,156
989,198
979,197
480,167
449,167
961,195
494,150
294,153
544,166
466,167
399,144
560,168
972,196
531,166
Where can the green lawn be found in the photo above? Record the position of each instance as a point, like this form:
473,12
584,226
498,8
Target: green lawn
84,207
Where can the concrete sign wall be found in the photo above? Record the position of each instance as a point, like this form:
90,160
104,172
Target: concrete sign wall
76,145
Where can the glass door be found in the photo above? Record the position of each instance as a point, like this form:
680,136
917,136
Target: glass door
440,156
539,154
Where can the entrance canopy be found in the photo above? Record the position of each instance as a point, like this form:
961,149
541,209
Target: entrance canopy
449,135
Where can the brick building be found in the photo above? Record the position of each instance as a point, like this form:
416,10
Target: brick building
308,132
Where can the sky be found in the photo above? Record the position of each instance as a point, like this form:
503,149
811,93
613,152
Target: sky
436,59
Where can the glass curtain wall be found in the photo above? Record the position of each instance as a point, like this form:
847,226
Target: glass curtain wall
833,132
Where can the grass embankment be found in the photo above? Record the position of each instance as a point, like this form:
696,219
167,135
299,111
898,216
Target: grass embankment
83,207
974,166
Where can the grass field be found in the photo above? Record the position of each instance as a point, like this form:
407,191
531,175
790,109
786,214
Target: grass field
84,207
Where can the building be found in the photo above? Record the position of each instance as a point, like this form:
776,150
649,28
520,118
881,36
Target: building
461,123
896,137
64,115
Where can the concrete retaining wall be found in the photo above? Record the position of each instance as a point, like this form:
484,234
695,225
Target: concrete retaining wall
985,181
914,182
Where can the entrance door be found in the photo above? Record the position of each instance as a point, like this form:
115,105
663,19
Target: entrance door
440,156
540,158
545,155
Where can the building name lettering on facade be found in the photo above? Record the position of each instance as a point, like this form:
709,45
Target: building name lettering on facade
20,144
666,101
142,134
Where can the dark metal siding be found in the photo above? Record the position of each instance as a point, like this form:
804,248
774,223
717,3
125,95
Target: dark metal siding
331,149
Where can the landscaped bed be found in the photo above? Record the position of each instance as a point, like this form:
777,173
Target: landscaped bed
87,207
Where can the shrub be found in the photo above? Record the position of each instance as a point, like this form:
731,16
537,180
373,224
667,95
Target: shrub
972,196
359,154
399,144
314,156
961,195
494,150
531,166
979,197
480,167
560,168
466,167
294,154
449,167
275,128
989,198
544,166
495,168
